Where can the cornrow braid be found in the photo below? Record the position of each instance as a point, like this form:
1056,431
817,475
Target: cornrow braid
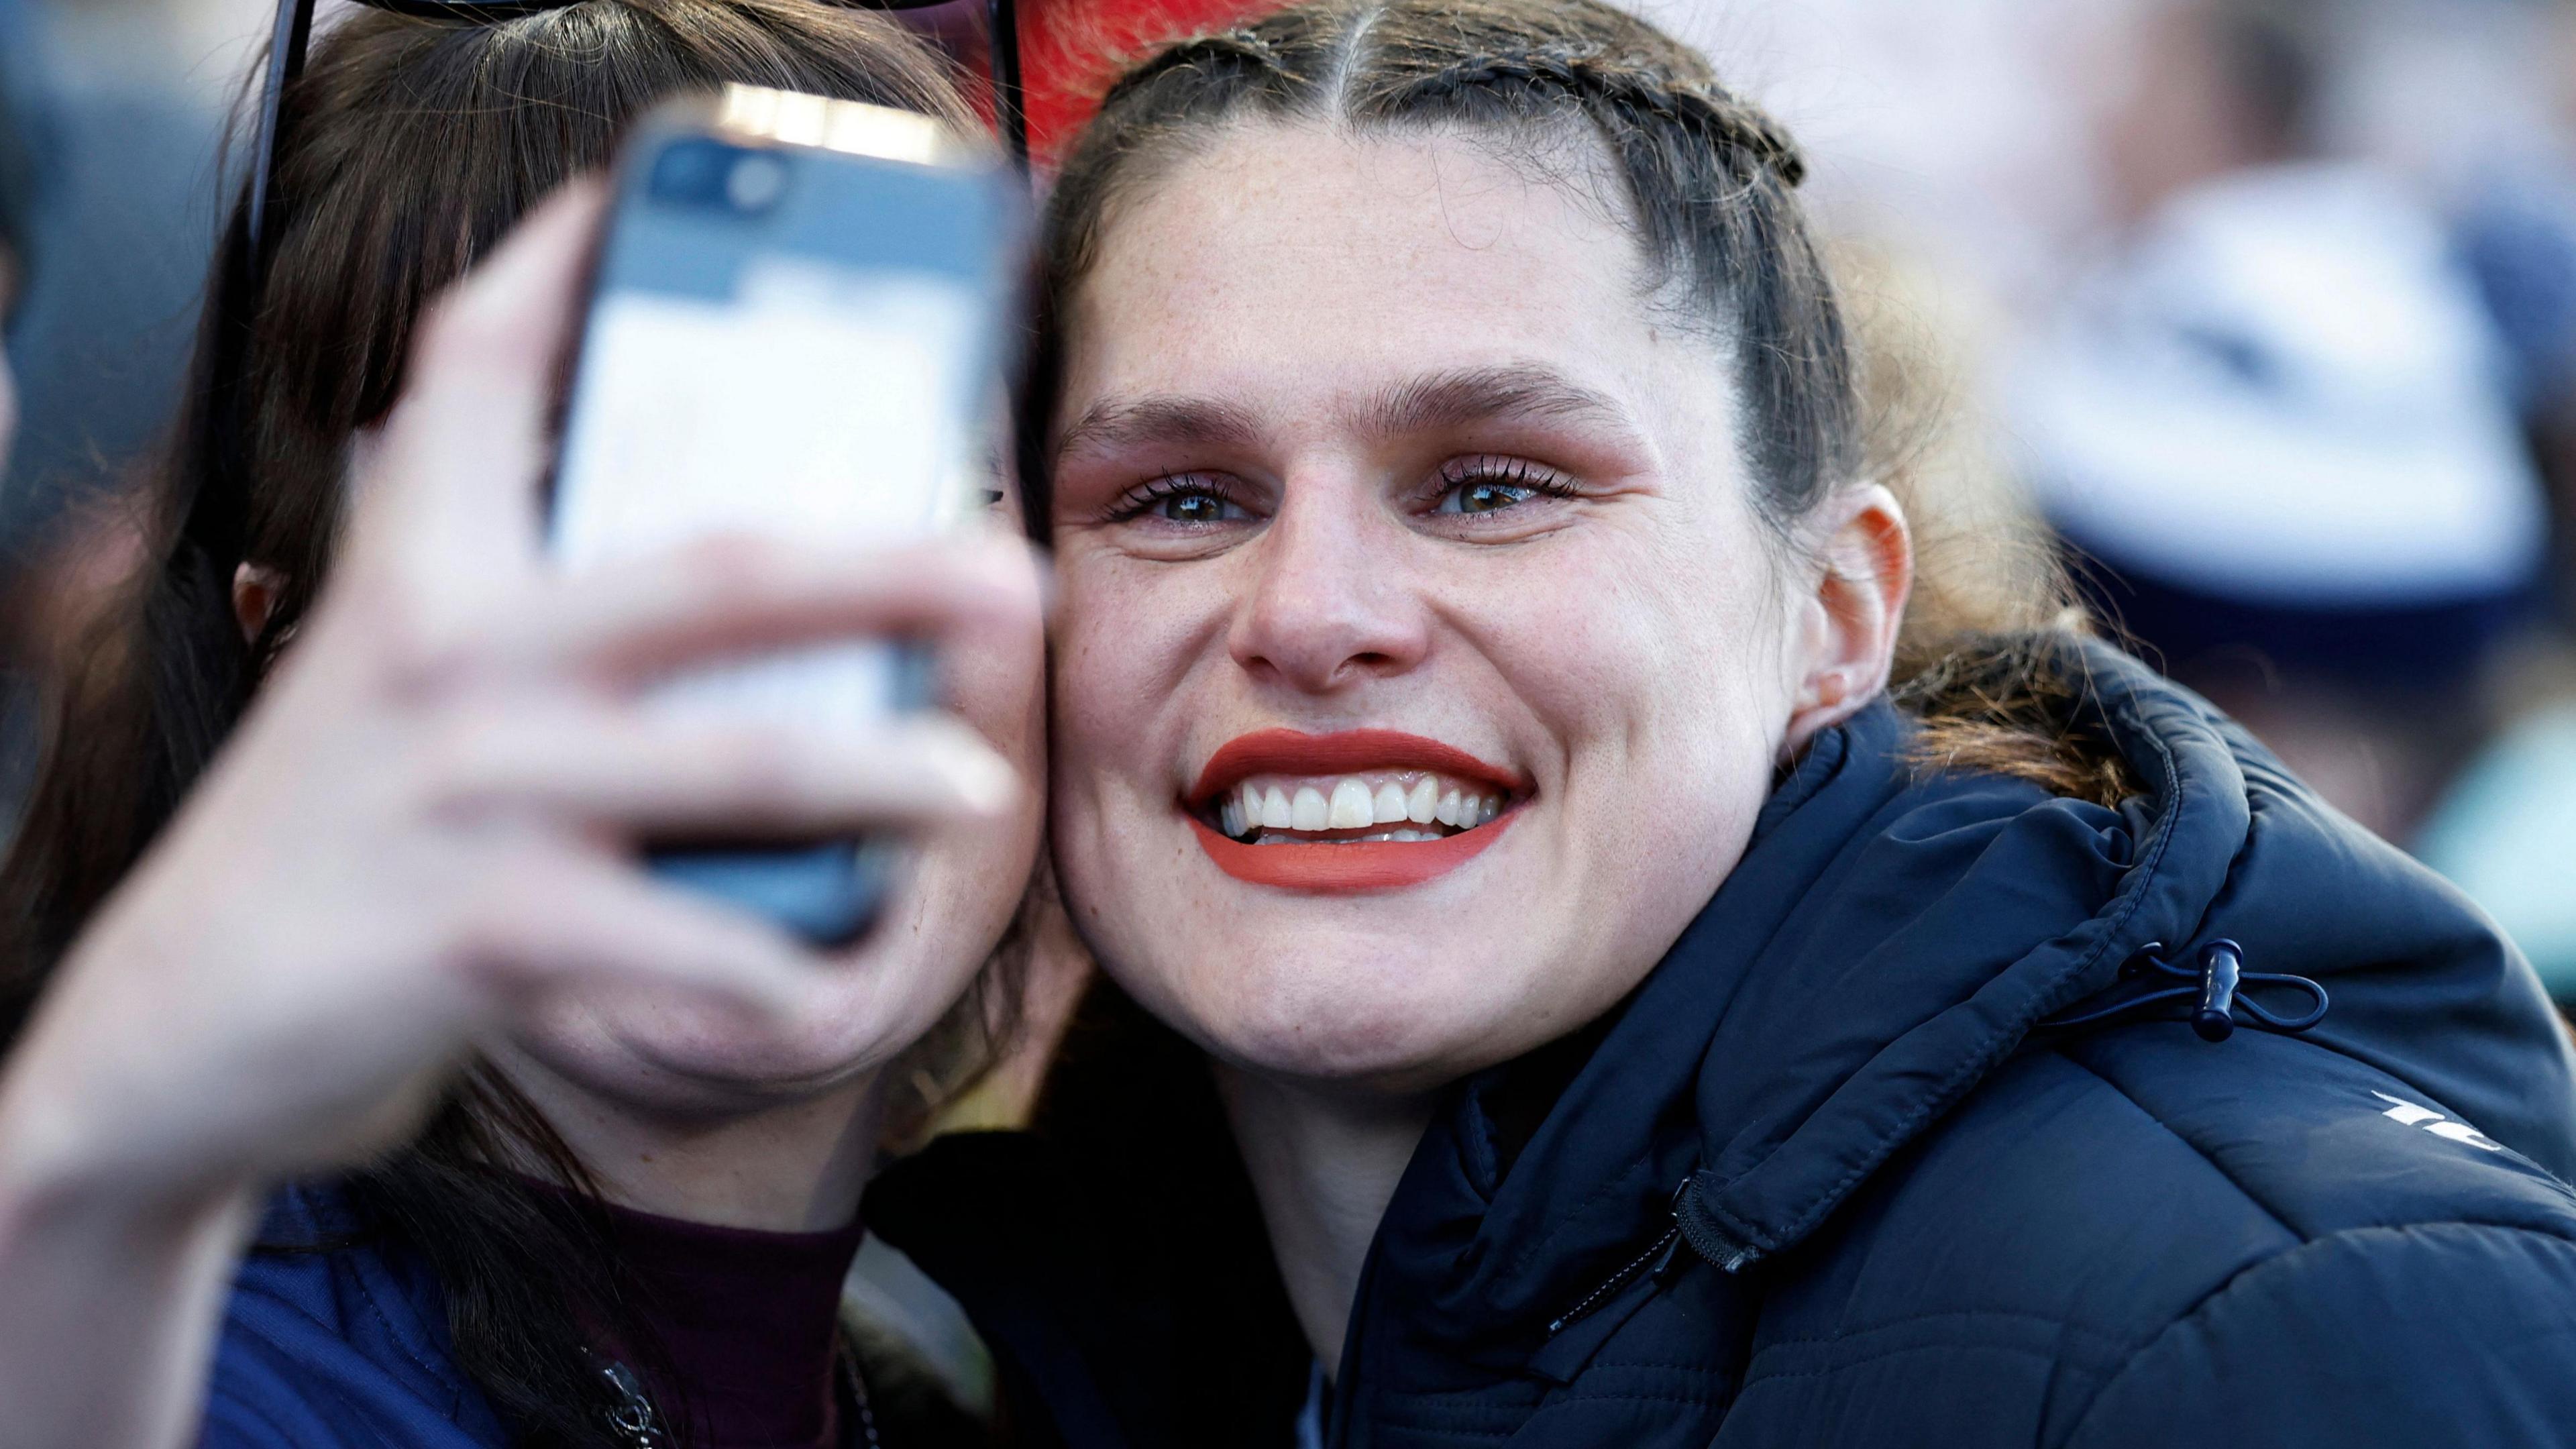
1632,92
1234,53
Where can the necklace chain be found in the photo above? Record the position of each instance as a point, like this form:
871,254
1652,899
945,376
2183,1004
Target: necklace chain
634,1422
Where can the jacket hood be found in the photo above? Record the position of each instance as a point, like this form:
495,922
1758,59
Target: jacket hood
1888,939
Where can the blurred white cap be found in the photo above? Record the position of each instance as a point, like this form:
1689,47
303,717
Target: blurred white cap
2286,393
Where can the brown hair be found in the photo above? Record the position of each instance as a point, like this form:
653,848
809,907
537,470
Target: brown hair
1710,187
407,148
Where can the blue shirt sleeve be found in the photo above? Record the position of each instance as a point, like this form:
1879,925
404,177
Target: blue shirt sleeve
332,1339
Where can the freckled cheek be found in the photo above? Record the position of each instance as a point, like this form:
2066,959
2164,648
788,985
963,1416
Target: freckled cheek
1649,675
1126,637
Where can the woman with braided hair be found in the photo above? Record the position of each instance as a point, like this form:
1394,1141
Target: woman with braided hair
1667,979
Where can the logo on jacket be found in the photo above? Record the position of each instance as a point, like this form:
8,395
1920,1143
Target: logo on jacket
2408,1114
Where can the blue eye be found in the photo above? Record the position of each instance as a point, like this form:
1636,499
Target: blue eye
1195,508
1192,500
1484,497
1492,484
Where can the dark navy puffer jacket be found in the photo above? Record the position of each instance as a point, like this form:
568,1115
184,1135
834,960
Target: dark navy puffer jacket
1830,1179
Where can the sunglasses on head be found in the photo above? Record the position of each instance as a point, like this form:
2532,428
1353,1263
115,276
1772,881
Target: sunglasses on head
295,27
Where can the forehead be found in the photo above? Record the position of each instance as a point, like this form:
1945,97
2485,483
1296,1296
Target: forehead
1286,261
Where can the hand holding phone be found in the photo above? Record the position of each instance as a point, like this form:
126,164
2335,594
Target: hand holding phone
420,838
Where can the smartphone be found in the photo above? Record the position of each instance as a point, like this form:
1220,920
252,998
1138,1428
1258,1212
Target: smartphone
796,327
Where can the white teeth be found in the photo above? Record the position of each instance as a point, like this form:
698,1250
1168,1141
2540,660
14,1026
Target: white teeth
1356,802
1352,806
1308,811
1389,803
1422,805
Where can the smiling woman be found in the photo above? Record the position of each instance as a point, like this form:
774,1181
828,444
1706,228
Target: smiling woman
1474,734
1390,495
1571,402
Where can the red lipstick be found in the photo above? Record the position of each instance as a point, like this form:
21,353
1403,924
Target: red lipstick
1374,866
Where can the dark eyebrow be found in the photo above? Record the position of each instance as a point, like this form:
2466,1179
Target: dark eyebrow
1477,394
1423,404
1120,423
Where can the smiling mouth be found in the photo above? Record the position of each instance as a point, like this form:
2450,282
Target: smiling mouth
1378,809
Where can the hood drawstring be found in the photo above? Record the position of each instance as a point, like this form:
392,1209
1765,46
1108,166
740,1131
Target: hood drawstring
2217,982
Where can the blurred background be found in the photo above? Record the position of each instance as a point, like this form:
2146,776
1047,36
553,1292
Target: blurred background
2266,307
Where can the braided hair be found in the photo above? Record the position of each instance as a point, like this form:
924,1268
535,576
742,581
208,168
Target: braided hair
1710,189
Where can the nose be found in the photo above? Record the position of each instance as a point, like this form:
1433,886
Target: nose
1332,602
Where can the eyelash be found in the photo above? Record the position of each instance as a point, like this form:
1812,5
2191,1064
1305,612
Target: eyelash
1508,471
1498,469
1140,500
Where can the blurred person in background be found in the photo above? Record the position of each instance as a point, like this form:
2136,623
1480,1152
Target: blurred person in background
2278,423
136,95
19,180
1661,988
23,177
2502,830
1985,150
331,878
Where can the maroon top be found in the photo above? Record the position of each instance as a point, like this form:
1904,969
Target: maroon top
751,1322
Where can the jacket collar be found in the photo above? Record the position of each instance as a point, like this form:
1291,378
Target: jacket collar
2038,904
1884,943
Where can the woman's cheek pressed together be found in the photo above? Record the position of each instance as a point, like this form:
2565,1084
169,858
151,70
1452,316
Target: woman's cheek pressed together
1422,663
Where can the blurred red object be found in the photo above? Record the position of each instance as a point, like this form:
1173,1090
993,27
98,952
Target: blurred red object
1070,50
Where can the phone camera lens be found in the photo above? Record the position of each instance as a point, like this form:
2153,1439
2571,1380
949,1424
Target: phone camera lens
693,172
756,182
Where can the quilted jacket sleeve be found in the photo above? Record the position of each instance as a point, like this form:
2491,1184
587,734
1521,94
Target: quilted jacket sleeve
2451,1333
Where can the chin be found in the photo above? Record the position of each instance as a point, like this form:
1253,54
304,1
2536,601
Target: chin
1341,1008
688,1058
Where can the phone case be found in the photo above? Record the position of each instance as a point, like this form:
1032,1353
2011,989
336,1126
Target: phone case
795,329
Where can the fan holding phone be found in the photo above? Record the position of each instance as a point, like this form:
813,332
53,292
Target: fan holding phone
496,921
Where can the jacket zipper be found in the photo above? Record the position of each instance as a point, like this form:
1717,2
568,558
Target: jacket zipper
1652,1261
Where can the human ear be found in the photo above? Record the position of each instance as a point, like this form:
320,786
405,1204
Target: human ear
1854,613
255,591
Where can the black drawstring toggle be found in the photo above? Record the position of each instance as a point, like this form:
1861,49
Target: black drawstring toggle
2215,986
2220,967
